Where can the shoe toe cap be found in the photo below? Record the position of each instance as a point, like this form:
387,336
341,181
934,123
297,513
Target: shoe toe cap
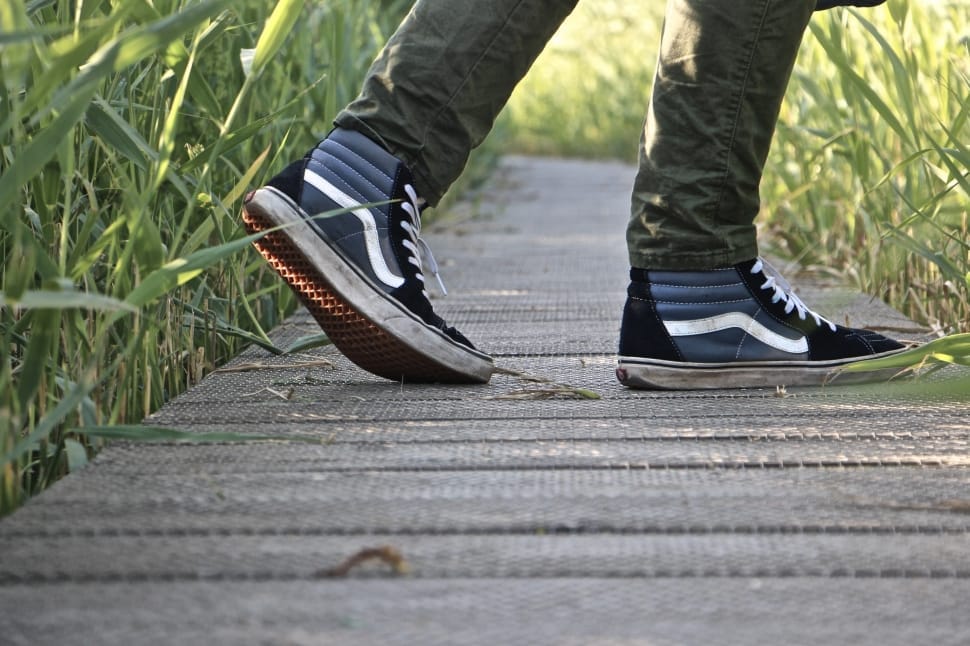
849,342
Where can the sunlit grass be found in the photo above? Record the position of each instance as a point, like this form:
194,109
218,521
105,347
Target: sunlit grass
129,134
868,175
587,92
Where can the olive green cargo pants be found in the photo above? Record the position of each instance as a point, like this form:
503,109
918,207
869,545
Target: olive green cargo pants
435,90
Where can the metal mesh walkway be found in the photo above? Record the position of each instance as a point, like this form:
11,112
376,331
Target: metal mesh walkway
515,512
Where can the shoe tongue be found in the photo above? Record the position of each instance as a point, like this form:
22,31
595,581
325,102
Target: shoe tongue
768,270
747,265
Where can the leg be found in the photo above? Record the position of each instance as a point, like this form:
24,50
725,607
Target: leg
703,310
435,90
723,70
430,97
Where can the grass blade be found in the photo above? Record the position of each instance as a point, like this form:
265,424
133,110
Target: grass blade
117,133
954,348
65,299
39,151
277,28
45,329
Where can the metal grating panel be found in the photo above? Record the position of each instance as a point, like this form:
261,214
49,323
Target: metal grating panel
572,612
758,516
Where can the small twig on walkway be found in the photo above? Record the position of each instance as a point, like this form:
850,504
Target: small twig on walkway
385,553
524,376
285,396
553,391
556,391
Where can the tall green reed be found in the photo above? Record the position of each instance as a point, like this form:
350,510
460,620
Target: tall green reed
129,133
869,176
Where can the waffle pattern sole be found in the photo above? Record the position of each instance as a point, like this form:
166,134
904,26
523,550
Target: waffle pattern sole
359,338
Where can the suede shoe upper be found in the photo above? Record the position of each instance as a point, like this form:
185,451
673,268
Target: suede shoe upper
744,313
345,171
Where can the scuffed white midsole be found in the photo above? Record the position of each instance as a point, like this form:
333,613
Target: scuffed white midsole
639,372
368,300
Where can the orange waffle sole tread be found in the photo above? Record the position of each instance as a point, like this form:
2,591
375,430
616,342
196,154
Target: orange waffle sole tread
357,337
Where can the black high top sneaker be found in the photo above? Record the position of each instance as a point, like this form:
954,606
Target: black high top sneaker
737,327
359,273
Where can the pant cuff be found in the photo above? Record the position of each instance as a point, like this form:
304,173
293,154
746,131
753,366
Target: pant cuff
692,261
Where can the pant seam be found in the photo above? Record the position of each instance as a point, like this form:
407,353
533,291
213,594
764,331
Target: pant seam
732,140
464,80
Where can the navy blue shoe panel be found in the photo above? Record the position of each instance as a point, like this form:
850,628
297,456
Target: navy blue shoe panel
727,316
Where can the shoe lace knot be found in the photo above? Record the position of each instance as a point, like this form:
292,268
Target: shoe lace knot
418,248
782,291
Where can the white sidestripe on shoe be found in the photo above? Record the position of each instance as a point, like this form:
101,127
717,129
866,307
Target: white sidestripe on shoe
737,320
371,241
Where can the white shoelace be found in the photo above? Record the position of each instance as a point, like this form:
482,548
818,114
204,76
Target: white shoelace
416,245
783,292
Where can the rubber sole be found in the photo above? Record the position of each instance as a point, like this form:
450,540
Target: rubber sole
656,374
371,329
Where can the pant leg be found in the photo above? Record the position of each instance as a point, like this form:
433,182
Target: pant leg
724,67
435,90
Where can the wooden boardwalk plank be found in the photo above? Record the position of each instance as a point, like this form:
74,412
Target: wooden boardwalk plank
756,516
